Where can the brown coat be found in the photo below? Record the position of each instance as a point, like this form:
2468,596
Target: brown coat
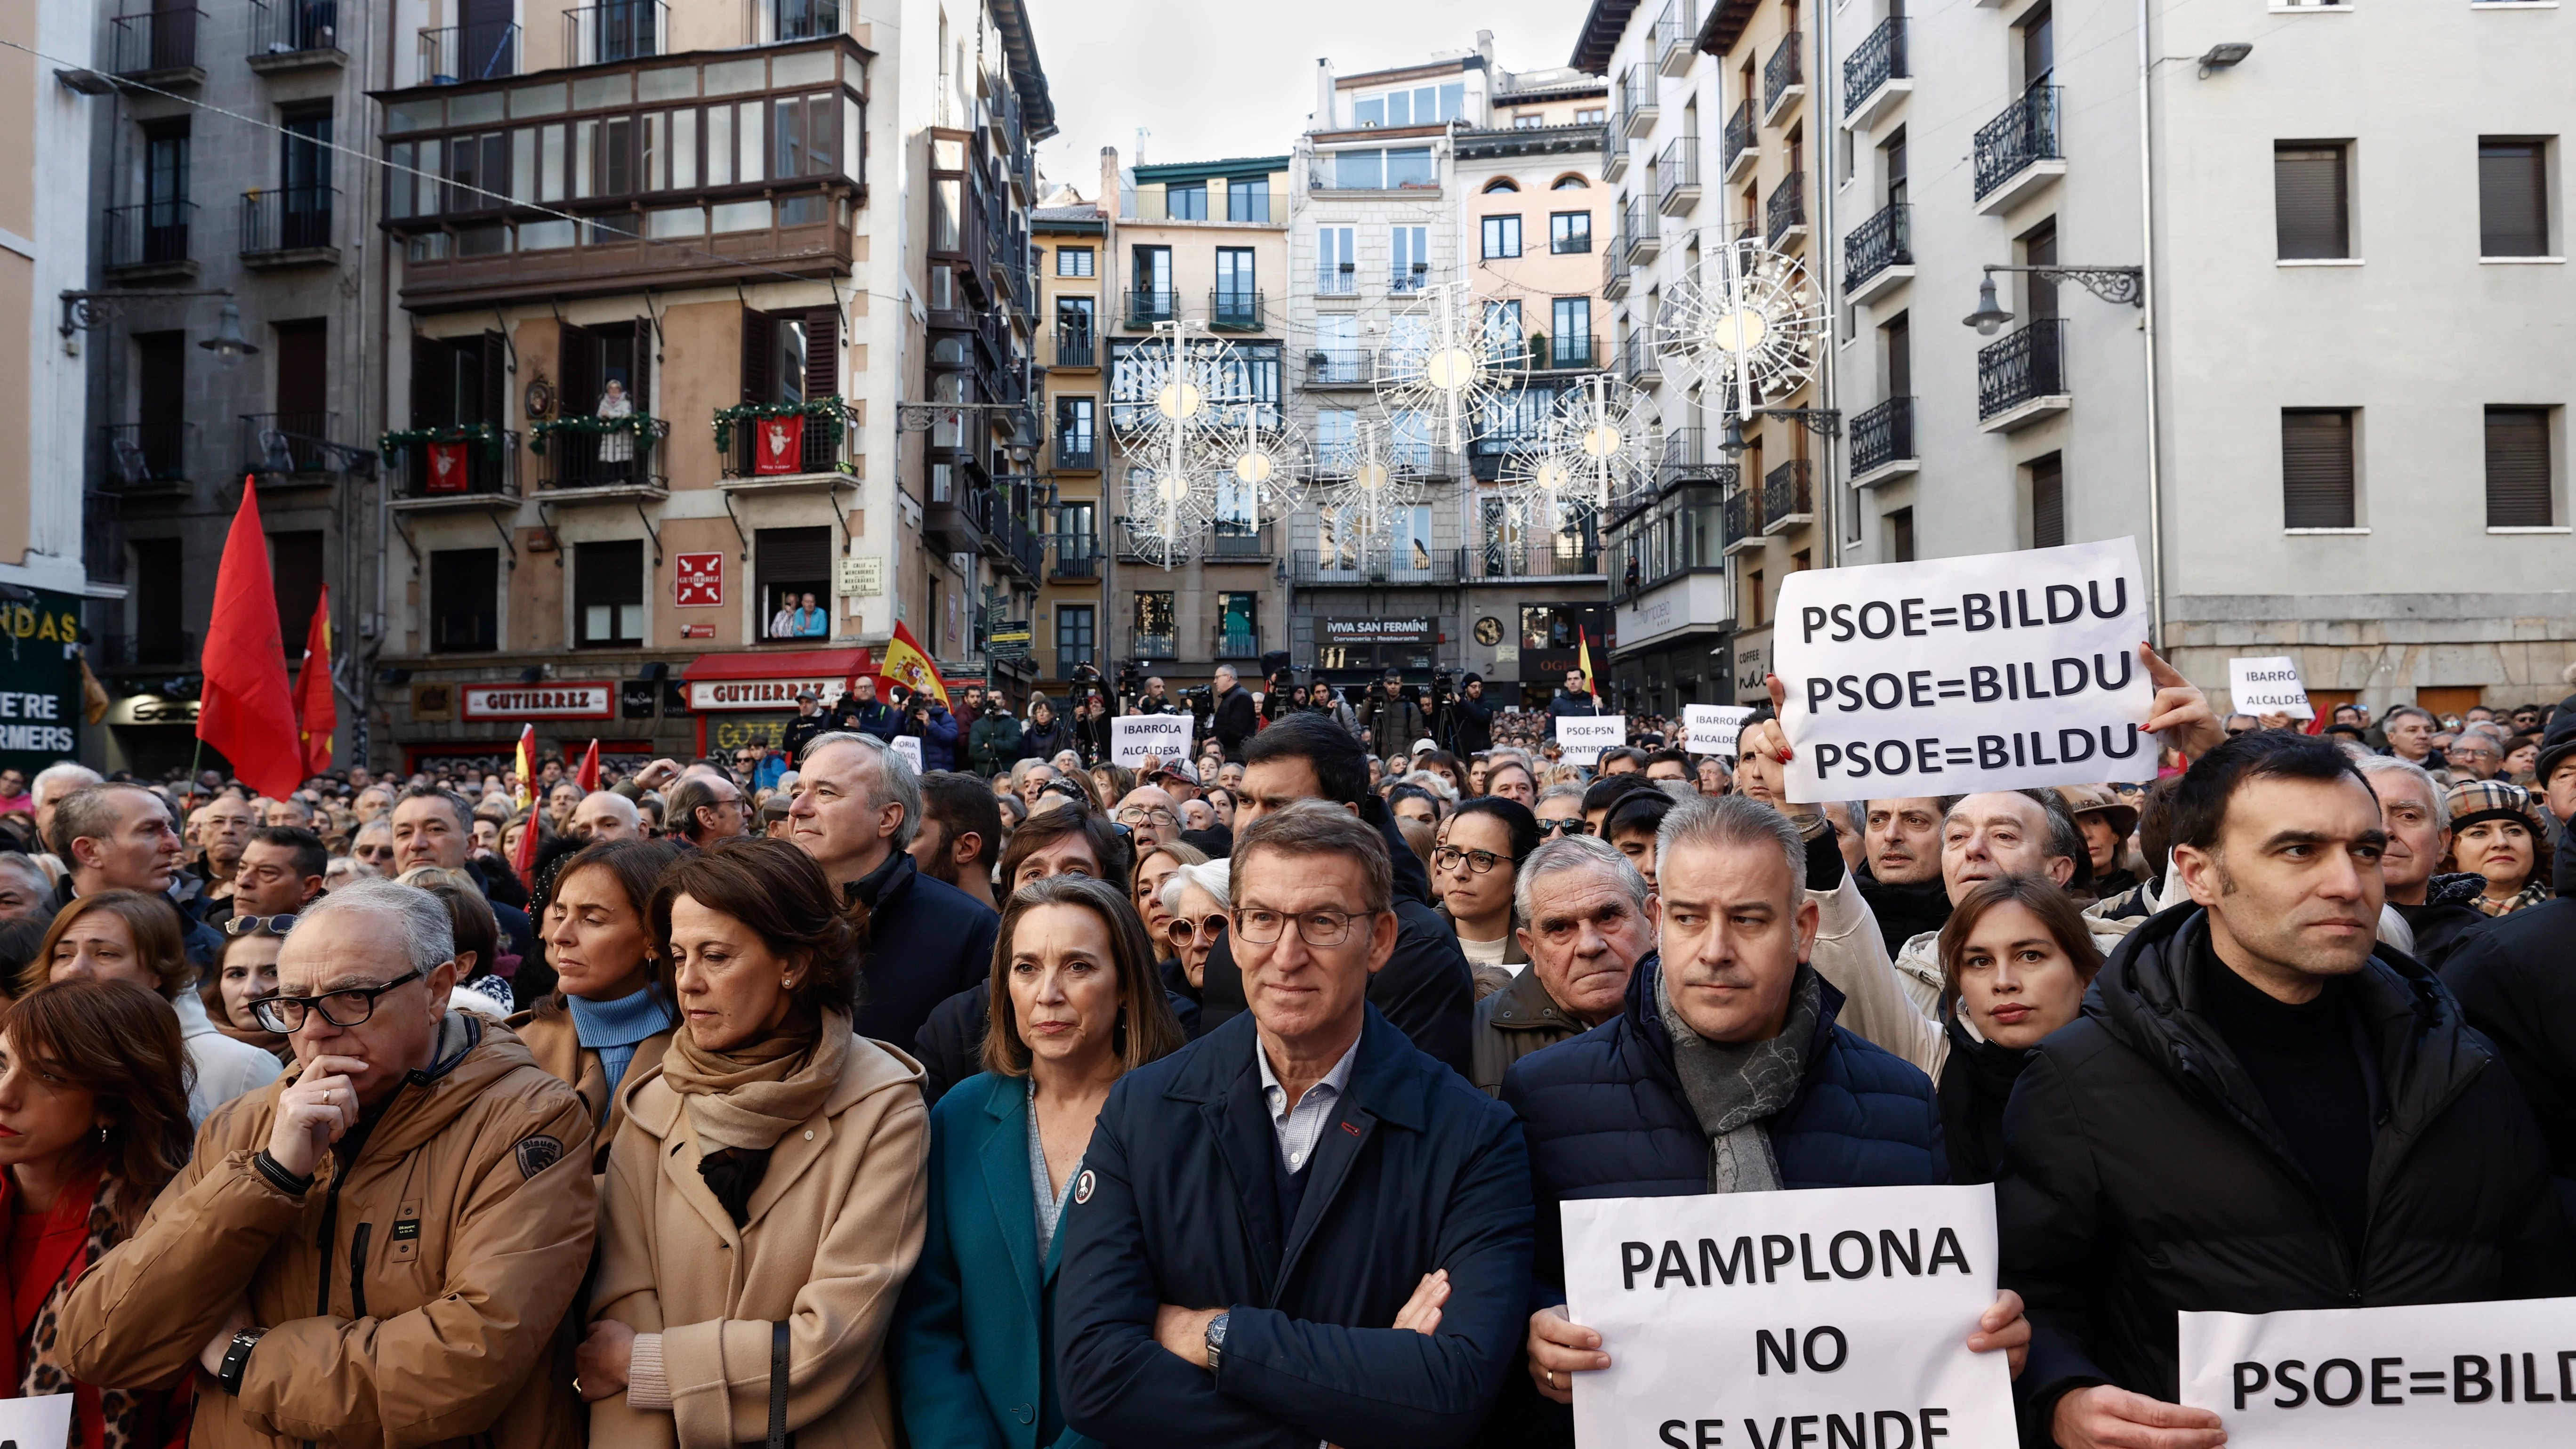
1514,1022
406,1297
834,1228
552,1039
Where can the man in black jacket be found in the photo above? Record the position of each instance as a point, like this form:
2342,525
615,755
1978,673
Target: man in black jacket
1235,718
2259,1110
1573,699
2513,985
1472,719
1426,987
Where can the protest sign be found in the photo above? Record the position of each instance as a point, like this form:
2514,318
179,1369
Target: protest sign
1133,738
909,746
2269,685
2497,1375
1713,728
1586,736
1988,673
1832,1316
38,1421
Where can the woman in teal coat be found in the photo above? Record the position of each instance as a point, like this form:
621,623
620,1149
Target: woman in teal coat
1076,1002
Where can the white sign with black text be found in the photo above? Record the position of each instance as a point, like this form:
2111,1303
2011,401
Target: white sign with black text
909,746
1586,736
2269,685
1788,1320
1994,672
1712,729
1135,738
2496,1375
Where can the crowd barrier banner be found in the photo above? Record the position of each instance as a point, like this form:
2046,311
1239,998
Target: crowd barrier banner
1712,729
1586,736
1137,737
2269,685
1994,672
2496,1375
1788,1320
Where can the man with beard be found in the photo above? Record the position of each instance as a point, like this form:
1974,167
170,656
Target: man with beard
961,833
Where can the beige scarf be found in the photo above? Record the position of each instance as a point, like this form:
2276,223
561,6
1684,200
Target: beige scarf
749,1097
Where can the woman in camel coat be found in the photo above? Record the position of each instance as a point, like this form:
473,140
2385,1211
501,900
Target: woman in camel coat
766,1194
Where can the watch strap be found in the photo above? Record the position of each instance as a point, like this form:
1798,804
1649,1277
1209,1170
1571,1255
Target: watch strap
1216,1340
237,1359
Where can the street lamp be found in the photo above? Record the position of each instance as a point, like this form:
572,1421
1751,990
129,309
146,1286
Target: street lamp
1990,316
2111,284
228,342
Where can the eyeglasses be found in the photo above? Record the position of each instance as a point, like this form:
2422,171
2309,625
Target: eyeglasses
1570,825
1139,814
1186,932
1478,862
273,925
1315,928
346,1008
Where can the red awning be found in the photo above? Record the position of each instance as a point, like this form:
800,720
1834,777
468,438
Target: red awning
803,663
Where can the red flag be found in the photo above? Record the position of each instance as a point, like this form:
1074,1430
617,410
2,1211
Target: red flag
316,714
246,710
446,468
523,860
587,777
778,444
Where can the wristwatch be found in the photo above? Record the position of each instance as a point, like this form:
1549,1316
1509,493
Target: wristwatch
237,1358
1216,1339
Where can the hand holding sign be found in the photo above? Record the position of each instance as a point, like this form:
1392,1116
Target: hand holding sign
2269,688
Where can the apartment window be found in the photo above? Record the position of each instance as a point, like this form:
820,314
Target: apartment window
1247,198
2513,198
1529,120
1152,268
2317,485
1752,599
1573,319
2519,488
1569,231
1186,203
1238,625
790,357
1153,624
1503,323
464,599
1336,259
1409,247
1900,536
1502,236
1593,117
1413,106
1076,630
793,564
806,129
947,183
608,592
2047,502
1074,435
159,600
1388,170
1235,277
2311,200
1074,262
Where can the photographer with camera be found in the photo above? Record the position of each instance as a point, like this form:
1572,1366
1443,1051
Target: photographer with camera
1150,700
1469,718
1390,720
929,720
1233,717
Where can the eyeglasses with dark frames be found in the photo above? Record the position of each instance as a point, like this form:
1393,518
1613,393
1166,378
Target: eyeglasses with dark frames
1478,862
1315,928
350,1006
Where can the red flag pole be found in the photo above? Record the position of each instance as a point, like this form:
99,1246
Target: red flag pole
246,703
587,777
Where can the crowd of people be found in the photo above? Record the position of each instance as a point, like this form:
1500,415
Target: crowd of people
1026,1098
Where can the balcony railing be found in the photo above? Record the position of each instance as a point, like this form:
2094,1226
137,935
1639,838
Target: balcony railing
151,234
1614,270
1235,310
1743,509
1340,366
1640,236
1579,351
286,221
576,458
1380,566
1786,211
1077,560
291,27
1882,435
1683,456
774,22
1785,495
1149,305
815,453
1080,452
1883,241
1638,360
1075,347
156,41
1232,538
2024,134
288,442
145,454
489,471
468,53
1238,644
1342,280
1410,278
1740,133
1637,99
1876,61
1676,38
615,30
1677,175
1785,71
1535,556
2020,366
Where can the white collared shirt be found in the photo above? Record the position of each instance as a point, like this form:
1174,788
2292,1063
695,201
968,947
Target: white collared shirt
1299,1130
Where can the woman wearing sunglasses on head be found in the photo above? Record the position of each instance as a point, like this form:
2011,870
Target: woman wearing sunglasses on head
1195,900
1475,865
246,971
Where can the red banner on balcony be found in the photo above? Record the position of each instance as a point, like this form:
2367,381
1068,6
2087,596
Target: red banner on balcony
779,445
446,468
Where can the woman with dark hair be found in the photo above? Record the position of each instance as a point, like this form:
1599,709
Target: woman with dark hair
1045,734
1475,866
2496,833
764,1196
246,971
2015,959
1068,840
93,1124
1075,1002
607,1019
480,986
135,936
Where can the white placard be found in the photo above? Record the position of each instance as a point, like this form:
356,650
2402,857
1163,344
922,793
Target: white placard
1988,673
38,1423
1586,736
1711,729
1163,736
909,746
2269,685
1752,1318
2496,1375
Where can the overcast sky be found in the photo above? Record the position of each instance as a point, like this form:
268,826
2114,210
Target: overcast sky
1215,78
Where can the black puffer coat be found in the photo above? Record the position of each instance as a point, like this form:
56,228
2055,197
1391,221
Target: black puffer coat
2514,983
2145,1175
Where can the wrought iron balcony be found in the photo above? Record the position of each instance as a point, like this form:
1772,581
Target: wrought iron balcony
1149,305
1676,38
2024,135
1353,566
284,28
1079,453
615,30
1639,361
1882,435
490,472
1638,101
1235,644
1534,555
287,442
1411,279
152,234
456,53
1342,280
1874,62
1786,211
1340,366
1743,510
1743,142
274,223
1075,347
1577,351
576,459
1677,176
1883,241
2022,366
1786,500
158,42
1235,310
1235,539
1683,453
1614,148
1076,560
1614,270
148,455
1639,236
1784,75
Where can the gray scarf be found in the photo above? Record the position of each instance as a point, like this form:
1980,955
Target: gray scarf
1734,1090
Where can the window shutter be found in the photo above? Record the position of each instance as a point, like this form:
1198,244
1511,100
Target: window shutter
2513,195
577,365
2316,470
2309,202
496,381
756,345
2518,484
2047,503
794,555
645,338
822,353
433,383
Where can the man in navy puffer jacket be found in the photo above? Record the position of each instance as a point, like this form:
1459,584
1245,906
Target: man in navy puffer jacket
1724,1073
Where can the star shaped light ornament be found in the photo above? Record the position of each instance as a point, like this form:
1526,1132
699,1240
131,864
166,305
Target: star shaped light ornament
1443,361
1749,326
1167,399
1597,445
1166,511
1258,464
1363,482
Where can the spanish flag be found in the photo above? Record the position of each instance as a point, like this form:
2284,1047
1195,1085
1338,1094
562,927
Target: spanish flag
523,861
1583,661
524,793
908,664
316,715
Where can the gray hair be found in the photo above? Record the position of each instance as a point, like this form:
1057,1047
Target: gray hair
1729,820
1438,785
2065,837
86,812
897,783
428,931
60,778
2391,765
1564,790
2397,712
1311,828
1585,853
1214,877
457,805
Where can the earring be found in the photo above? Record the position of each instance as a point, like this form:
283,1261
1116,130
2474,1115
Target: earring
102,1135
